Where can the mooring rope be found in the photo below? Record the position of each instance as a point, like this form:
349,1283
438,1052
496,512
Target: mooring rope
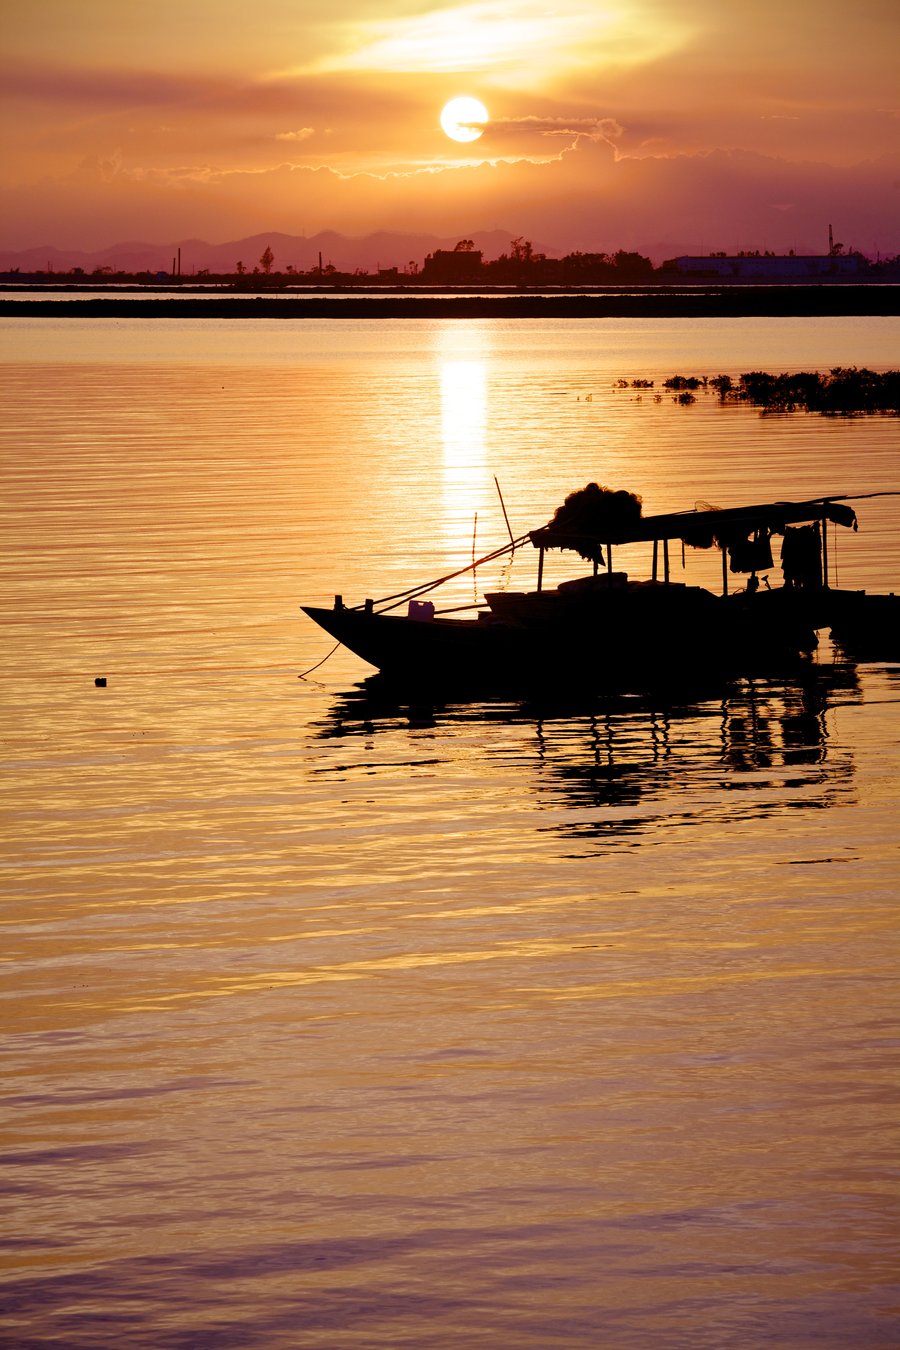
303,674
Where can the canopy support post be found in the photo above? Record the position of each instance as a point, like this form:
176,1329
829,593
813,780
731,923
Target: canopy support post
540,584
724,570
666,561
655,558
825,552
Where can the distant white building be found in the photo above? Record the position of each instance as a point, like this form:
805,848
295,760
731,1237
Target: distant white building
769,267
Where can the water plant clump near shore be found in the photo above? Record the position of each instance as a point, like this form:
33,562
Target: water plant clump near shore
840,392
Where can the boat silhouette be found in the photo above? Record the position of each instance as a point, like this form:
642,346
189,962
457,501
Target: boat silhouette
610,630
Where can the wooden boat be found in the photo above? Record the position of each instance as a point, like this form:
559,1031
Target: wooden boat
609,630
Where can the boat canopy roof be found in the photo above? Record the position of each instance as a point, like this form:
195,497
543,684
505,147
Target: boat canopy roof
701,528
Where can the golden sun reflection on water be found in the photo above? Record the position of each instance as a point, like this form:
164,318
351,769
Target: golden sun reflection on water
463,429
463,353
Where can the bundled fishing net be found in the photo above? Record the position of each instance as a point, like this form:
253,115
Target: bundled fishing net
589,517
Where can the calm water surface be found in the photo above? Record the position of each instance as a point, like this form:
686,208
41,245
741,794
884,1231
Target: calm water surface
331,1022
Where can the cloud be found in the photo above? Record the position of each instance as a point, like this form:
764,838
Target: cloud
55,83
540,139
598,128
303,134
495,38
555,126
586,197
473,37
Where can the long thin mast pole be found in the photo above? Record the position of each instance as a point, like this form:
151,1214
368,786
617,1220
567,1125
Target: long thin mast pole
505,516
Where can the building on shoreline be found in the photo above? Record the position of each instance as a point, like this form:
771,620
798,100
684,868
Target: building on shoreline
453,267
771,267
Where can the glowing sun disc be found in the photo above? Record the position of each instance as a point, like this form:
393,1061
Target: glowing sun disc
459,116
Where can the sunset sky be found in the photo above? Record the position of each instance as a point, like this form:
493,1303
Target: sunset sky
638,124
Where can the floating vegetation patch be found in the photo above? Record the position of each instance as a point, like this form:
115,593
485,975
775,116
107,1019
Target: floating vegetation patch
842,392
685,382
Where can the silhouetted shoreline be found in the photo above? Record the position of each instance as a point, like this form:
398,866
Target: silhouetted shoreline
630,302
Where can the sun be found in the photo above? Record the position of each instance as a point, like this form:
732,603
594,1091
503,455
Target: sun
464,118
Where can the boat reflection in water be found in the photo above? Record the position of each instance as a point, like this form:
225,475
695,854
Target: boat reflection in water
617,766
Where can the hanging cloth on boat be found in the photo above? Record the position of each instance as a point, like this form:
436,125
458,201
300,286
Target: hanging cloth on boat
801,556
751,555
842,515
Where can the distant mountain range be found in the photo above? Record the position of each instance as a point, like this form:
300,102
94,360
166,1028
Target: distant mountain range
370,252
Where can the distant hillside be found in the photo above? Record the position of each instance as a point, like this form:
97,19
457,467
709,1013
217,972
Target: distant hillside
368,253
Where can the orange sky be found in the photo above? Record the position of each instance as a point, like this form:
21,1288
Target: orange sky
701,126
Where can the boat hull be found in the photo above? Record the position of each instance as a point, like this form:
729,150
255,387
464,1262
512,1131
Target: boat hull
639,638
440,649
866,627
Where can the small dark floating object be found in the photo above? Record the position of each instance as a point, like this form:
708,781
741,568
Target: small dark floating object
100,682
